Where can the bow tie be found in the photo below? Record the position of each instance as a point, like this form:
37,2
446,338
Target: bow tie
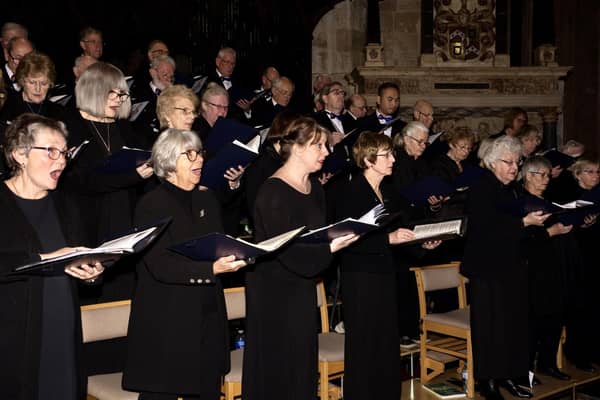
157,91
226,78
333,116
384,120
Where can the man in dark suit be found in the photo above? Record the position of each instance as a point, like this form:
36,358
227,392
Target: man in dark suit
330,117
388,102
162,72
265,110
356,108
423,112
223,76
17,48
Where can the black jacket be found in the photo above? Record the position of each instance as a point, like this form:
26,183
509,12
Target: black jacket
177,329
21,297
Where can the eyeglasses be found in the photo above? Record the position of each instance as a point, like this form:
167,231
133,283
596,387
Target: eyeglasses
94,41
419,142
53,152
426,115
540,174
16,59
159,52
41,84
192,154
219,106
186,111
283,92
591,171
465,148
386,155
114,94
510,162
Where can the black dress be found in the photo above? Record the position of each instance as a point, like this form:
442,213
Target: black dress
370,292
39,317
498,276
177,339
106,200
280,358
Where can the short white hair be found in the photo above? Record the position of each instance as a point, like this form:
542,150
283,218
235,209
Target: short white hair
501,146
169,146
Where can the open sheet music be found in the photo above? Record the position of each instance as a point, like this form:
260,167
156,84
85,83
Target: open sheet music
439,231
368,222
133,242
216,245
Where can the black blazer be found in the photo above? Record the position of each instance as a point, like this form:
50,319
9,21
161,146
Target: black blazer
370,253
21,298
371,123
494,237
177,336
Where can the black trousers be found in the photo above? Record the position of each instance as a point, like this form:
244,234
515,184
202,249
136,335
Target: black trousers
544,337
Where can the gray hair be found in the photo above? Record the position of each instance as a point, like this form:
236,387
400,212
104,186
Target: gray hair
156,61
501,146
226,50
213,89
94,85
21,134
169,146
13,26
279,81
484,147
534,164
408,130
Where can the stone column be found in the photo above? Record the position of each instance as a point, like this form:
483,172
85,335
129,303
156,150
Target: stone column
374,48
549,118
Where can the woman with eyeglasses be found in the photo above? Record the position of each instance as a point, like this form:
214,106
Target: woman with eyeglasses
369,278
39,316
177,337
450,165
36,75
547,253
581,348
107,199
176,107
498,274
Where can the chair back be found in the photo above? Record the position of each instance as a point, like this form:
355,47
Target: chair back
235,302
104,321
322,305
439,277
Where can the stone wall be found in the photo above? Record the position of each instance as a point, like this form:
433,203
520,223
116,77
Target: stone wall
339,38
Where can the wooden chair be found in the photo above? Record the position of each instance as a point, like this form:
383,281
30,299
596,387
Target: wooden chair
235,302
331,350
451,339
104,321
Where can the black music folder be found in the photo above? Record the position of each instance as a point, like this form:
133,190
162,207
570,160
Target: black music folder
107,253
559,158
226,131
234,154
125,159
368,222
216,245
420,191
470,174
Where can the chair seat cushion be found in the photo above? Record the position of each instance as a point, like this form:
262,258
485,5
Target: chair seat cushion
331,347
237,361
459,318
108,387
